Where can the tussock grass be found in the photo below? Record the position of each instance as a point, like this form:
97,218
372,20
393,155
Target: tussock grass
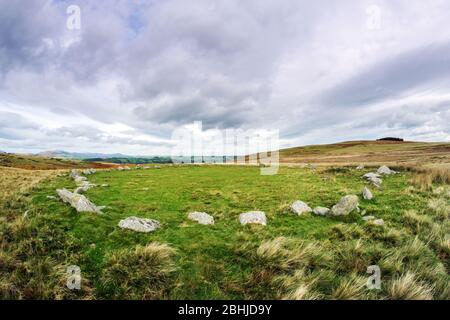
427,177
351,288
406,287
143,273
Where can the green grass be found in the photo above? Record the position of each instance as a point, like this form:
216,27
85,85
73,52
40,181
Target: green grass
222,261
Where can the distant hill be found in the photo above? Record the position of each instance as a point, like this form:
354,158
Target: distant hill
375,152
78,155
131,160
42,163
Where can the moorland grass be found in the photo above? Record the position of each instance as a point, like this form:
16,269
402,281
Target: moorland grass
306,257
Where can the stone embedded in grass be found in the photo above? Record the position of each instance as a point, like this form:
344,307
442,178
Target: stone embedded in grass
51,197
374,178
321,211
367,194
89,171
299,207
346,205
201,217
139,224
360,167
78,201
256,217
367,218
378,222
385,170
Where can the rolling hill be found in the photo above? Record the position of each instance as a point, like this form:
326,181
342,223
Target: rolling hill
369,152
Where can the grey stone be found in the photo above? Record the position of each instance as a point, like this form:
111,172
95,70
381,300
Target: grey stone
257,217
139,224
346,205
384,170
321,211
78,201
299,207
201,217
367,194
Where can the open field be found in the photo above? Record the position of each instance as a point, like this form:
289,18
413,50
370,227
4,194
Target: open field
293,257
371,152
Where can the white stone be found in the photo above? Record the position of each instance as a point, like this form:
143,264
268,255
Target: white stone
321,211
367,194
139,224
367,218
299,207
385,170
201,217
257,217
346,205
378,222
360,167
77,201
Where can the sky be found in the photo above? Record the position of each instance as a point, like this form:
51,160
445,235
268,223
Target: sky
132,72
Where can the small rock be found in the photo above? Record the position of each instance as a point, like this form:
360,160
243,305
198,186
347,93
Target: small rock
299,207
201,217
346,205
51,197
139,224
360,167
257,217
367,194
385,170
367,218
105,185
378,222
321,211
374,178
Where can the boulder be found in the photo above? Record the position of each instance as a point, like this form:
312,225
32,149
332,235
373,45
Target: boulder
346,205
78,201
201,217
139,224
257,217
384,170
299,207
374,178
321,211
74,173
367,194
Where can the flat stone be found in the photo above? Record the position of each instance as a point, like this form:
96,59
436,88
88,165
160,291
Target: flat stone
321,211
256,217
299,207
367,218
346,205
78,201
201,217
139,224
378,222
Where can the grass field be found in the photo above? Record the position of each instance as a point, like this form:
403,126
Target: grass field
371,152
293,257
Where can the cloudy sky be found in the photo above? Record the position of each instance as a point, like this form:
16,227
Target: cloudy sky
317,71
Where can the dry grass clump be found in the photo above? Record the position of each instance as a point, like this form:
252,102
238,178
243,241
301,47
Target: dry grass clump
351,288
143,273
425,178
440,207
406,287
297,286
417,222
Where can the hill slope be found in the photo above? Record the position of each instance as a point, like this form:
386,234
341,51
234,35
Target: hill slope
42,163
369,152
